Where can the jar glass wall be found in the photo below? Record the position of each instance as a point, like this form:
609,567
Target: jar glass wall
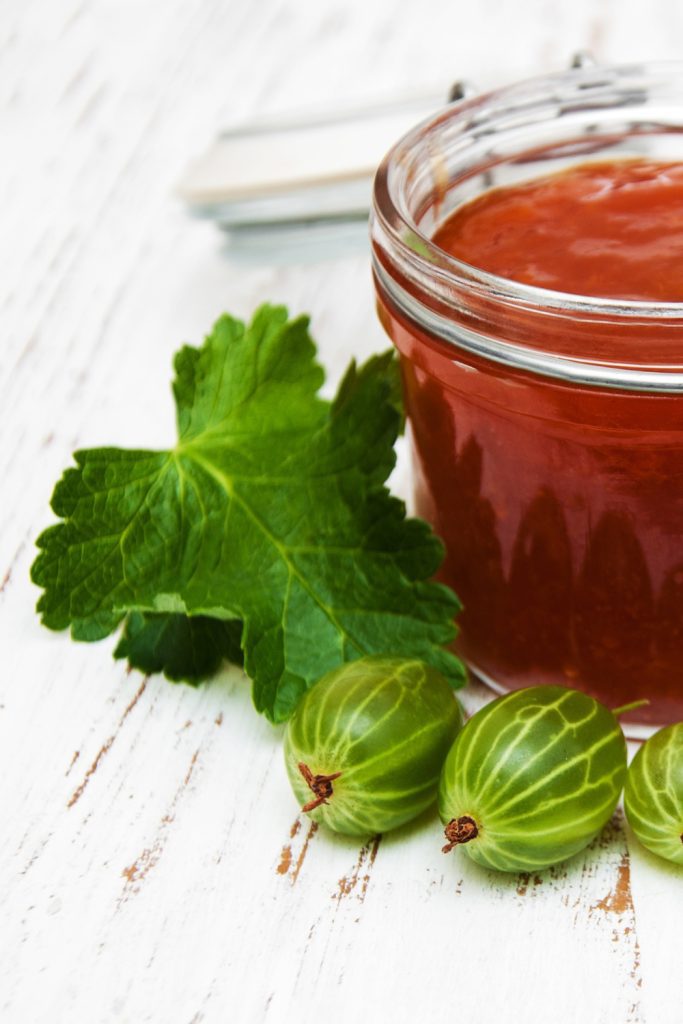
546,428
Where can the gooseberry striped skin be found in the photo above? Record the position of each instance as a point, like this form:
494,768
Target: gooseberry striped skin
374,733
532,778
653,797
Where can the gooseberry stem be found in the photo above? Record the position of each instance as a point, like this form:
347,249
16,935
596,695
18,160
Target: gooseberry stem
458,831
625,708
320,786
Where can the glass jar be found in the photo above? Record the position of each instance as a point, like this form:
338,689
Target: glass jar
546,428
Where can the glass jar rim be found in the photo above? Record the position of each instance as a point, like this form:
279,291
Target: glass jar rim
391,214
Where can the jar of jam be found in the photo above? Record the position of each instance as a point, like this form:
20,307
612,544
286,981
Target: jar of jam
528,261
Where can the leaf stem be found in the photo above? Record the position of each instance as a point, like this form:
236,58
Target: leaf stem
625,708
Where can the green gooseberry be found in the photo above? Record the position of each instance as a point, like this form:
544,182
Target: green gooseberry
366,743
653,797
532,778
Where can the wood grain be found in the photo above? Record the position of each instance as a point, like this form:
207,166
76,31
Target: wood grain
153,866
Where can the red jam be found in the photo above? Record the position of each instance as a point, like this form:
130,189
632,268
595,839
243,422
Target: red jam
561,505
609,229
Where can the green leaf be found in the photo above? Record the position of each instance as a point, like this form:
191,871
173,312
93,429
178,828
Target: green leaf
270,509
183,648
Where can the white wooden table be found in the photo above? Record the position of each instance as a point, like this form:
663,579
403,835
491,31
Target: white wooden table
152,865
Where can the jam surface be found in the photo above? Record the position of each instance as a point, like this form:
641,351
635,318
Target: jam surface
613,230
560,505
